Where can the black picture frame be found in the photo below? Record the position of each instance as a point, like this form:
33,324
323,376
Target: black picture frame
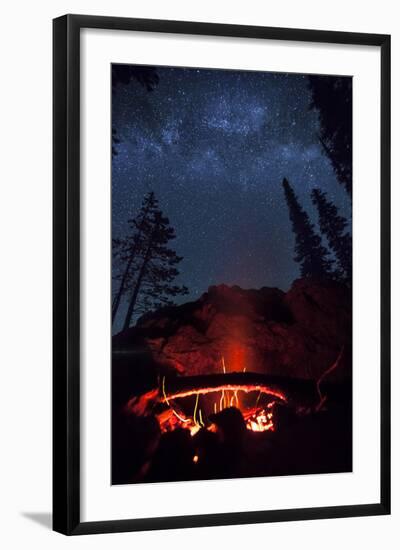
66,271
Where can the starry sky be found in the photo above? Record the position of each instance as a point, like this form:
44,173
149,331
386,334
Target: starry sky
214,146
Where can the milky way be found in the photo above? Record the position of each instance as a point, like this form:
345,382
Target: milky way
214,146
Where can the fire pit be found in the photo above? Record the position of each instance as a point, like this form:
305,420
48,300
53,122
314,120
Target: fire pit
190,401
225,390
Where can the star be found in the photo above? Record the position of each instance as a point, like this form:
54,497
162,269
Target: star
214,146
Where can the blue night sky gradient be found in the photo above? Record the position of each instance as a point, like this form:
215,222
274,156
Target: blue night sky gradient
214,145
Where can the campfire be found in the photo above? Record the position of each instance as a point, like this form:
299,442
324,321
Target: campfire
235,423
255,399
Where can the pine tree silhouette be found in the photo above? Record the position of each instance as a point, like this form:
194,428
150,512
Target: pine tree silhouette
333,226
126,251
123,75
332,97
148,266
309,251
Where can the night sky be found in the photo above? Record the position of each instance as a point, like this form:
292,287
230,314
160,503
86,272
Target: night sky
214,146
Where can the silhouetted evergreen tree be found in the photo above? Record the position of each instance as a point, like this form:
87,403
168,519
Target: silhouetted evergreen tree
332,97
333,226
148,265
309,251
114,141
124,74
126,251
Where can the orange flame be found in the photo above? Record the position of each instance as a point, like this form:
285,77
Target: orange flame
257,419
260,421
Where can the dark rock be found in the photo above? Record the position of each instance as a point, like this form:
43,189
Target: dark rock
295,334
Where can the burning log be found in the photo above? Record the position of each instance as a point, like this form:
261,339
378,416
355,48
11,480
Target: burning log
289,391
283,389
142,405
300,395
209,383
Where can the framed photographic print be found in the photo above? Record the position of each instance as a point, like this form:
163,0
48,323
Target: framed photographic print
221,274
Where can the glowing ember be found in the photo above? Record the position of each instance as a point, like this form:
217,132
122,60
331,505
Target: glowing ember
260,421
194,429
258,418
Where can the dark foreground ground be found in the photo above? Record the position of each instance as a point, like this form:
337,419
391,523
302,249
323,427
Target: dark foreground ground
306,442
303,336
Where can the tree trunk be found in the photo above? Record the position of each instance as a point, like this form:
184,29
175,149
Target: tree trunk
118,297
132,303
135,294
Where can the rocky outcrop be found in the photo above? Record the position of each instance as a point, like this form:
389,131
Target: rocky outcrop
297,334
